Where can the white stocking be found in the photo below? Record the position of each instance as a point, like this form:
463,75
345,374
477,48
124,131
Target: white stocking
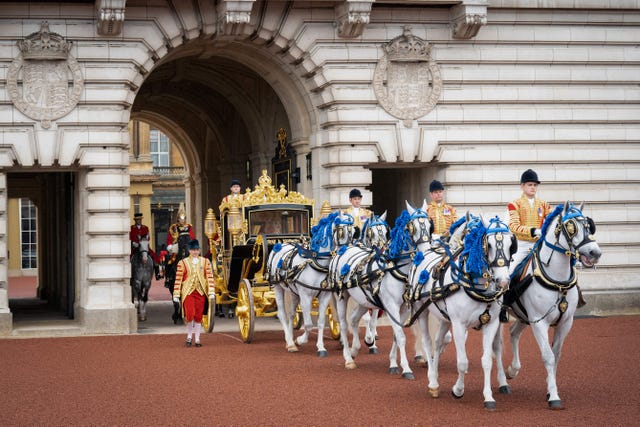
198,329
190,330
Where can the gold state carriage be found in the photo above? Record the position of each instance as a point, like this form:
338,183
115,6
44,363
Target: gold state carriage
250,224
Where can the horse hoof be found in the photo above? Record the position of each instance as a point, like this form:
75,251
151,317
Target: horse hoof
504,389
323,353
420,361
434,392
394,371
456,396
369,343
350,365
490,406
556,405
292,349
373,350
408,376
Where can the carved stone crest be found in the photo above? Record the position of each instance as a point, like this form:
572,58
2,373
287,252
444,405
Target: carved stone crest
44,82
407,81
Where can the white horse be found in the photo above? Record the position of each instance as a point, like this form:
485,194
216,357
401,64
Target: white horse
543,290
463,289
301,271
376,280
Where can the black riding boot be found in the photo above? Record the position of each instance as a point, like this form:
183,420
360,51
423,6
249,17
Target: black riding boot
156,269
581,301
504,316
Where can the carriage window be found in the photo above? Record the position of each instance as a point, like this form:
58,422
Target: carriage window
28,234
284,221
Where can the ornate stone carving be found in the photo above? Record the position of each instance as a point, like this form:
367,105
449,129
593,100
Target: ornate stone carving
467,18
407,81
352,16
38,80
233,16
110,16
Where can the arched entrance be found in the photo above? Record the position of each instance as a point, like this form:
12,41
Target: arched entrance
222,105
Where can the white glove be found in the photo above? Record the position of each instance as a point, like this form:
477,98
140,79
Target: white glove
169,247
135,244
537,233
176,300
212,296
435,237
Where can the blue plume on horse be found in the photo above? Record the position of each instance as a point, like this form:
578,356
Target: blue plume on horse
457,224
418,258
549,219
399,235
476,262
345,269
342,249
424,276
572,212
321,233
277,247
497,226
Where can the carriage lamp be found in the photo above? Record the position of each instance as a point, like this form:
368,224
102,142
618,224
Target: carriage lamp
210,224
234,222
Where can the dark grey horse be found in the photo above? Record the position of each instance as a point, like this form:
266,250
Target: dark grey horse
141,275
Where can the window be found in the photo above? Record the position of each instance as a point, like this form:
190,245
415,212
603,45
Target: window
28,234
159,144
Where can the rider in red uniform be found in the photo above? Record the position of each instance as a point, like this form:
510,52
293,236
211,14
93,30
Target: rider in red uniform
137,231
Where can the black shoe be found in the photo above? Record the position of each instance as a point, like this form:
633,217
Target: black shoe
198,344
188,343
504,316
158,277
221,315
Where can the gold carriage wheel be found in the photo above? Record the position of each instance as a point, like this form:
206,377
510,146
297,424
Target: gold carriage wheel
334,325
209,319
245,312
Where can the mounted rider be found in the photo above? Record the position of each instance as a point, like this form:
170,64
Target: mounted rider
179,229
137,232
441,214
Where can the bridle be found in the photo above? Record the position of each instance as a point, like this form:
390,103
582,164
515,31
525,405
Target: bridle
568,226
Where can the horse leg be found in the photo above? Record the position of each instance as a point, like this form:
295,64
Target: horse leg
459,338
285,320
428,352
541,334
418,346
323,303
489,332
370,332
515,332
306,301
504,387
401,342
356,315
341,308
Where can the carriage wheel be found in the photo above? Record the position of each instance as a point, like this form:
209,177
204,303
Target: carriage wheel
334,325
209,319
297,318
245,311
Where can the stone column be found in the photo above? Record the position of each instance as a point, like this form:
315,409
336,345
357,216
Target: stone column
103,302
6,318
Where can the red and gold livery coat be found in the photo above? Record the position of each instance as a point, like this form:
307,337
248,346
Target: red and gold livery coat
194,277
442,215
524,216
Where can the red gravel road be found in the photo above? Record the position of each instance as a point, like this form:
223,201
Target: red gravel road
154,380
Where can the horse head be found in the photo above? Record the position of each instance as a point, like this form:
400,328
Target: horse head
143,248
573,233
411,232
375,231
499,245
183,251
343,229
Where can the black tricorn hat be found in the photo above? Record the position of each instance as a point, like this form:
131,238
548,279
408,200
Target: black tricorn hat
137,215
355,193
193,244
529,176
435,186
235,182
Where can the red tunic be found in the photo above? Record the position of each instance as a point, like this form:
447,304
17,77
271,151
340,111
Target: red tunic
136,233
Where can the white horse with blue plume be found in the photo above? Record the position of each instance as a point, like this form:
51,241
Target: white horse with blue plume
463,288
301,271
543,290
374,279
